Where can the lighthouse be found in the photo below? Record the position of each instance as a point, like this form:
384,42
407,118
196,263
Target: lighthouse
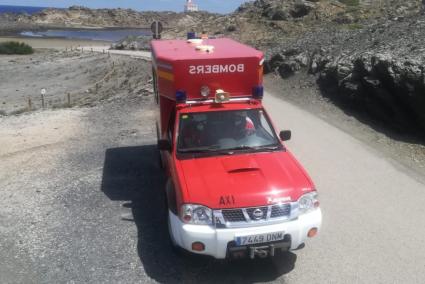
190,6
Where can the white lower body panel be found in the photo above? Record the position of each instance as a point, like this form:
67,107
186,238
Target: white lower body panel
216,240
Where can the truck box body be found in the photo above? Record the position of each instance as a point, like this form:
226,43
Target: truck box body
231,66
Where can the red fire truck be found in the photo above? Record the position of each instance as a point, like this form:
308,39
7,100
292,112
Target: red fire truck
233,188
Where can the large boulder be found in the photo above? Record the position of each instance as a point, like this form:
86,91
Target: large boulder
133,43
302,9
280,15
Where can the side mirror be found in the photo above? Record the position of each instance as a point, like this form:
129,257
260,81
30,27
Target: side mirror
164,145
285,135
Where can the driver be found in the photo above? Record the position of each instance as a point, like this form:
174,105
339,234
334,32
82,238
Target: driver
191,134
244,126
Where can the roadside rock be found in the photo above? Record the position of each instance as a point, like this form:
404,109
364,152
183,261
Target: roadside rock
386,87
133,43
378,69
302,9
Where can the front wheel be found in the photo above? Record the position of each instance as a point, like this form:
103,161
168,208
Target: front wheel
160,163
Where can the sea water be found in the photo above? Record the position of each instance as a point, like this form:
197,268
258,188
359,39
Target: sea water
20,9
111,35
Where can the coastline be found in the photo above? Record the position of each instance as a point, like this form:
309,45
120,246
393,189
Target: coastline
16,30
55,43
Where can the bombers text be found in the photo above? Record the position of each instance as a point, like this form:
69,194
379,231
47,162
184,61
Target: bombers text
216,69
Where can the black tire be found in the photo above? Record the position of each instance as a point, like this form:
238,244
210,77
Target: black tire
160,163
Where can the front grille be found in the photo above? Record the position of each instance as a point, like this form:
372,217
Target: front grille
280,210
251,213
240,217
233,215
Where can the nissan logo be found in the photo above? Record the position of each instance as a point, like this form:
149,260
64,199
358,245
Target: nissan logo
257,214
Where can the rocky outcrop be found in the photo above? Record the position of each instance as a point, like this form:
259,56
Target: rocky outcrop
389,88
10,23
378,70
77,16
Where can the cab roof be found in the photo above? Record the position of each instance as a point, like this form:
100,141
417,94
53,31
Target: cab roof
224,48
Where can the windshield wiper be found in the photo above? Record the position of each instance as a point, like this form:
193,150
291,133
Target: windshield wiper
216,148
256,148
200,149
242,147
270,148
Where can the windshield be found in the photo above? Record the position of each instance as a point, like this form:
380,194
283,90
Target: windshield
226,131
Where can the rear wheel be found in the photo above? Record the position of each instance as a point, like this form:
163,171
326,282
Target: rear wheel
160,163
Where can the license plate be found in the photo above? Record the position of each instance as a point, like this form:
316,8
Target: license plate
258,239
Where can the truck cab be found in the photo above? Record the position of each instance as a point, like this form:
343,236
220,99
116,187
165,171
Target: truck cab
233,188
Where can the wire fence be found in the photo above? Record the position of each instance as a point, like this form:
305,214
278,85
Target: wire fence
68,99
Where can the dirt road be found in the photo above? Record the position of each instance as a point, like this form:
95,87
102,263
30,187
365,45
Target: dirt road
81,202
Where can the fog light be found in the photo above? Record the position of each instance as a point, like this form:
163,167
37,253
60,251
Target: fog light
312,233
198,246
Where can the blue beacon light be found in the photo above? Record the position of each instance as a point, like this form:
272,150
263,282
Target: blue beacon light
258,92
181,96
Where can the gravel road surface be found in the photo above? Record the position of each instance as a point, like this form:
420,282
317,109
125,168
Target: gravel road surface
81,202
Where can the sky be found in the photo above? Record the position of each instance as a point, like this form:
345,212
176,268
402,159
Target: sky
219,6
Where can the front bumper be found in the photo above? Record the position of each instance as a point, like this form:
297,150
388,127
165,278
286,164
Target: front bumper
216,240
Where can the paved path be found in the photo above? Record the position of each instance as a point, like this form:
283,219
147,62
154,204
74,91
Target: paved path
374,213
103,49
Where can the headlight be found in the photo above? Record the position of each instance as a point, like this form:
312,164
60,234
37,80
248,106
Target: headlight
196,214
308,202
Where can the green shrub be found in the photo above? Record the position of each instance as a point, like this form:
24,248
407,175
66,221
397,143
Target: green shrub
13,47
354,26
350,2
